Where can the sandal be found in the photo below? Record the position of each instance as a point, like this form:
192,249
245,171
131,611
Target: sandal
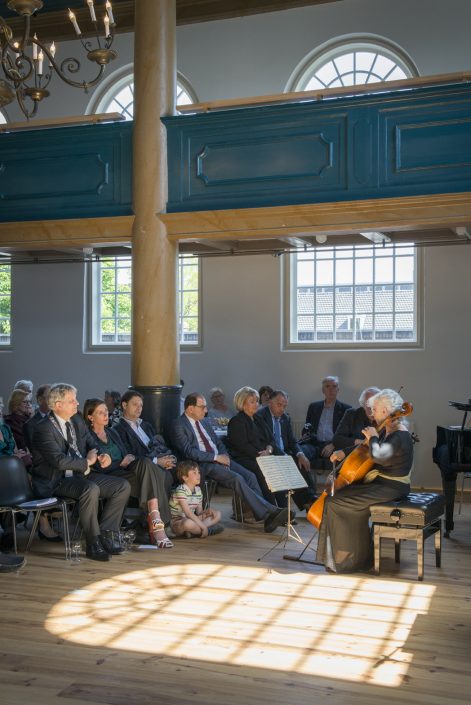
164,543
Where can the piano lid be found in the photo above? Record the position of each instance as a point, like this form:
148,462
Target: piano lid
461,405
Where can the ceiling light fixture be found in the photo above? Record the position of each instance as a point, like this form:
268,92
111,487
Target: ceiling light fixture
28,64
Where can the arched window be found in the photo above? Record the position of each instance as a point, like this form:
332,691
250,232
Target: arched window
117,94
363,295
352,63
2,118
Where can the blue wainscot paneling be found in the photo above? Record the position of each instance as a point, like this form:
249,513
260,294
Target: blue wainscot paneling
402,143
67,172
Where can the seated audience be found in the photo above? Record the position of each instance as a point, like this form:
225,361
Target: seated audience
247,441
113,404
186,505
322,419
219,413
193,438
349,432
8,448
277,424
140,439
147,480
264,394
65,453
20,410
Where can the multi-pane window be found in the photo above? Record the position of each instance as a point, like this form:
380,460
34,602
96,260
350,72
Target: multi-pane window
352,64
111,295
360,294
188,300
121,99
5,304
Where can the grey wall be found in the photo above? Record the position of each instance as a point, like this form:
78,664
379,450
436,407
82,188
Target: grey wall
242,297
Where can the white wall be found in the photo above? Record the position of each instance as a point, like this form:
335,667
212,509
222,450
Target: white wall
242,296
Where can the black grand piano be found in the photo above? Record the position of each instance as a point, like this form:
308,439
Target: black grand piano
452,454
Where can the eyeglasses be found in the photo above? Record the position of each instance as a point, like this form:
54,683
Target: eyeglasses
201,406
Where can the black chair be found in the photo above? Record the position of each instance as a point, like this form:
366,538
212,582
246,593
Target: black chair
16,495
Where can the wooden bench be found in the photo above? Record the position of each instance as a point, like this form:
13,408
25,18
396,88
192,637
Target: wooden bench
416,517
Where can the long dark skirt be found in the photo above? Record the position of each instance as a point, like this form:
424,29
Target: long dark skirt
147,481
345,540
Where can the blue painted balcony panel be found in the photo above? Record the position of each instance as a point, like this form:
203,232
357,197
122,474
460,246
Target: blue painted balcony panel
67,172
402,143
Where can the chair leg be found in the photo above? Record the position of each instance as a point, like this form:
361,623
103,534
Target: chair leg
461,493
420,554
438,544
377,549
37,516
397,550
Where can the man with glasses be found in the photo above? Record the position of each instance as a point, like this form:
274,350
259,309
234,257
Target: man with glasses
193,438
65,454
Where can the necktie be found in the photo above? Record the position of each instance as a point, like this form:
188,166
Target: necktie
206,443
277,433
71,440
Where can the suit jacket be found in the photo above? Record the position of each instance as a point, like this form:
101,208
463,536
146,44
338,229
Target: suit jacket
264,420
246,438
135,446
29,428
314,412
52,457
350,428
185,444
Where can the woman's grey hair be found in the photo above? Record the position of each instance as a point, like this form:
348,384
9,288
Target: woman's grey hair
241,396
57,393
389,398
215,390
368,391
25,384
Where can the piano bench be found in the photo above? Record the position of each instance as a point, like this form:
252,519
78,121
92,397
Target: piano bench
416,517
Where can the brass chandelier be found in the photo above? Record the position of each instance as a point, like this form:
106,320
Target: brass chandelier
28,64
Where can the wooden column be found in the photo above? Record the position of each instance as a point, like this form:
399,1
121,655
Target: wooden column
155,348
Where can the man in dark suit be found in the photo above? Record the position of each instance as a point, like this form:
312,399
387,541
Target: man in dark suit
274,421
42,411
139,437
193,438
349,431
322,419
65,454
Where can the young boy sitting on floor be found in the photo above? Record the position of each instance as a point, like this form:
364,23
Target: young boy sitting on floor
186,505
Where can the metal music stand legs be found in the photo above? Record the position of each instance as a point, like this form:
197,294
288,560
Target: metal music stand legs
289,532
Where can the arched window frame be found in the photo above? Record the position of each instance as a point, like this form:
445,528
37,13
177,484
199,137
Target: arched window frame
352,328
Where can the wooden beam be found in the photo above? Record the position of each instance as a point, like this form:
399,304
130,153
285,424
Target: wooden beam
385,214
43,123
56,234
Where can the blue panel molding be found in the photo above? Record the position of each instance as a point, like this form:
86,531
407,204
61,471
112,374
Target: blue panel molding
68,172
402,143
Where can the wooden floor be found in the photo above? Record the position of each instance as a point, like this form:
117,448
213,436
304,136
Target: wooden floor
207,622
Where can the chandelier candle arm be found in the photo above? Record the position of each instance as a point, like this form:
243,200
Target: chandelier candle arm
20,63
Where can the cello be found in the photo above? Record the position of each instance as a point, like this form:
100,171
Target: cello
353,467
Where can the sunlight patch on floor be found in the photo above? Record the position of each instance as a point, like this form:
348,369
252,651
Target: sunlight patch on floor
346,627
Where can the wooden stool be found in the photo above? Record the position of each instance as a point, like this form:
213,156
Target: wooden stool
416,517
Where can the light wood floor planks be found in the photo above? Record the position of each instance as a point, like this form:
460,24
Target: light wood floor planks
207,623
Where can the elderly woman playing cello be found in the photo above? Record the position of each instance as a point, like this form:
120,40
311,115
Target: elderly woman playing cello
345,543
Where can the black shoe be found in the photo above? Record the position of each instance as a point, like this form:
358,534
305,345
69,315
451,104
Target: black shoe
216,529
109,541
96,552
54,539
10,563
6,543
276,518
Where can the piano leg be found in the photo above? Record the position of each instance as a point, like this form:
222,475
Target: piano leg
449,490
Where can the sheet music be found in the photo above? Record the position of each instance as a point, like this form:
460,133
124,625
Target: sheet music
281,472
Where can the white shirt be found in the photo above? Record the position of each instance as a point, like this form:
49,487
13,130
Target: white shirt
199,439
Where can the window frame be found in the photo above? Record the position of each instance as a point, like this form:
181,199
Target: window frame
8,345
290,318
92,284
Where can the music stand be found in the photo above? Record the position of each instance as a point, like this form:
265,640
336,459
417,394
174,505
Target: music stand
282,475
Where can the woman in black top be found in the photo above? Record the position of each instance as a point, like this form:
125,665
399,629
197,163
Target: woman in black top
147,479
245,440
345,542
